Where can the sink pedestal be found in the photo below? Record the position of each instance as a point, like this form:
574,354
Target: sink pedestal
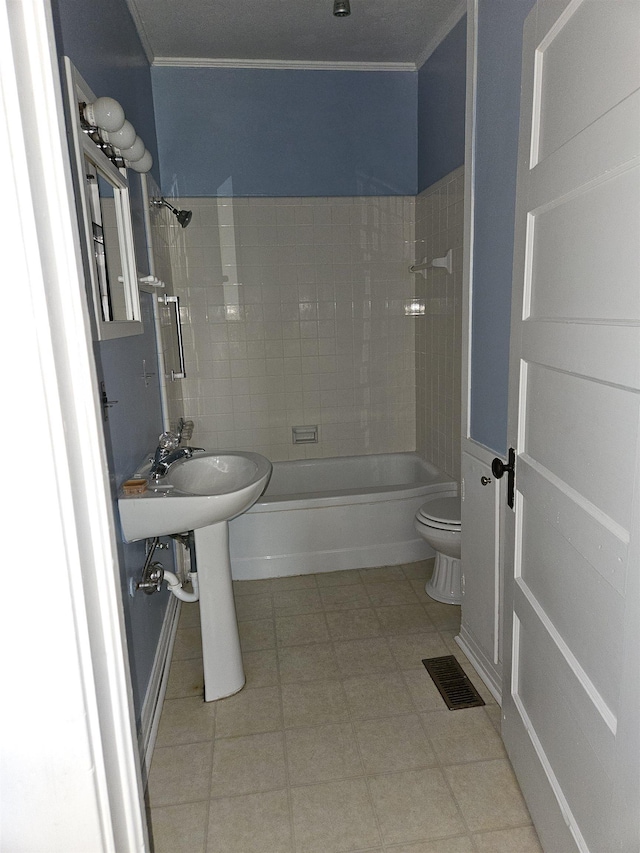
221,655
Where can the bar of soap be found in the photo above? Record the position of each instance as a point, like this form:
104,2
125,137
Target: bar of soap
134,487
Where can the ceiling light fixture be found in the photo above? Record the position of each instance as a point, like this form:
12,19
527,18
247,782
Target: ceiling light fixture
341,8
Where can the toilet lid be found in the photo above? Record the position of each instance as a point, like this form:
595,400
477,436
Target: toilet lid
441,512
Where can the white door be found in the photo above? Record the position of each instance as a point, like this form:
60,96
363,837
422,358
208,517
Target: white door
572,646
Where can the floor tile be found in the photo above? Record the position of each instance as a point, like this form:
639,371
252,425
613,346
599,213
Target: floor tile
443,616
344,578
488,795
348,597
414,805
253,823
189,615
313,703
261,668
522,840
494,712
339,728
409,651
404,619
425,694
188,644
188,720
180,829
298,630
293,582
378,695
390,593
291,602
462,844
186,678
332,817
307,663
322,754
249,712
254,607
384,573
180,774
248,765
420,571
393,743
251,587
418,585
353,624
356,657
257,634
463,735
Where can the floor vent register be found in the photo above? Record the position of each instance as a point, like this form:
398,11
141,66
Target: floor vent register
454,685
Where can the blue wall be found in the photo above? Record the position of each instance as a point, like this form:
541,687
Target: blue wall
441,108
101,41
497,122
256,132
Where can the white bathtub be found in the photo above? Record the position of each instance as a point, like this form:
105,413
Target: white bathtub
321,515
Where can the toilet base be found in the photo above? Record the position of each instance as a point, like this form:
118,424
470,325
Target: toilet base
446,581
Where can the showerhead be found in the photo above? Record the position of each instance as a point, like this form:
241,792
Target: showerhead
341,8
183,216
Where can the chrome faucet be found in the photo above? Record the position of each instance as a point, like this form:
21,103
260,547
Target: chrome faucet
168,452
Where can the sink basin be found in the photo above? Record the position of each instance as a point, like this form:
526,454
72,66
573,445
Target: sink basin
208,488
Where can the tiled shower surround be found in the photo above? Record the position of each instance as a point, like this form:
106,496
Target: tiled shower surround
439,225
293,314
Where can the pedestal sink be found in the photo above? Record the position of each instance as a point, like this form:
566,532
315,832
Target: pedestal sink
202,494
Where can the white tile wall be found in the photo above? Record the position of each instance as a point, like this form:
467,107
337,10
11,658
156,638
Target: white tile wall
293,313
438,339
167,249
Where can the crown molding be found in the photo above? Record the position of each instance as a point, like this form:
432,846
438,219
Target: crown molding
442,33
142,33
289,64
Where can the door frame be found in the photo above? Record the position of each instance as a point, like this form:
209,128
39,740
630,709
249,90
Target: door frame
69,745
487,669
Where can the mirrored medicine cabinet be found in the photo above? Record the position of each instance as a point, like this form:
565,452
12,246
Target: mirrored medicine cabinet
106,224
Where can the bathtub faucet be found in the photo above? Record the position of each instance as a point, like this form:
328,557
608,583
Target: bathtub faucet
168,452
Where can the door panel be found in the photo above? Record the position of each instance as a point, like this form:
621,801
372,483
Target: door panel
569,444
587,632
575,242
572,660
566,731
583,78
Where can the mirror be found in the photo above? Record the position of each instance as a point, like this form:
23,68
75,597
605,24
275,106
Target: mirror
108,230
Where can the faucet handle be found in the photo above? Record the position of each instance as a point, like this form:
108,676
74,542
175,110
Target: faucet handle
168,441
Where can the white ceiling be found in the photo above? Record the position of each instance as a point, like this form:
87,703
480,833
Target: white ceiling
306,31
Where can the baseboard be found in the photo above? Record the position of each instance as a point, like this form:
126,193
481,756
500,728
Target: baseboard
485,668
152,706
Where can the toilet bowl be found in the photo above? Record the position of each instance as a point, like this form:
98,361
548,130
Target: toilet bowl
438,522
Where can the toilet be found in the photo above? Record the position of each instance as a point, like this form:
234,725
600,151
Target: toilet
438,522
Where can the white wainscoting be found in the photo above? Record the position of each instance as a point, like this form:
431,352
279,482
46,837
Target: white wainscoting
481,631
152,706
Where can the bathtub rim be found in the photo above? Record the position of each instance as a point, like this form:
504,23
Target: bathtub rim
438,482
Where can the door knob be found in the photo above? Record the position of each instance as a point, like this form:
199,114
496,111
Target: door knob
499,468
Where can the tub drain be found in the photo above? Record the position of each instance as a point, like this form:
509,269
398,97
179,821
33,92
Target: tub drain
454,685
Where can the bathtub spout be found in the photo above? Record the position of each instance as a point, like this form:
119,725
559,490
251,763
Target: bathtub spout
176,587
